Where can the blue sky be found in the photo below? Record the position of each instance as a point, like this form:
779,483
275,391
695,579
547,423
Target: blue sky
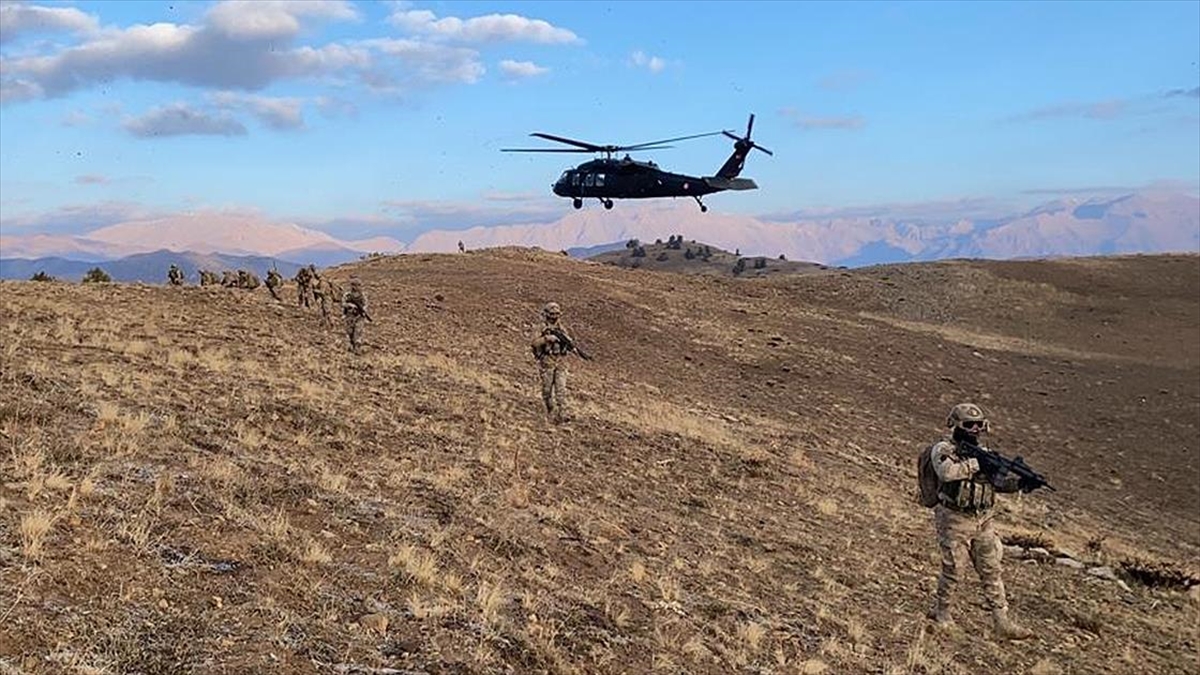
365,118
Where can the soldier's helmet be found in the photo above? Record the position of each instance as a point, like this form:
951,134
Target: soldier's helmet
552,310
969,417
355,283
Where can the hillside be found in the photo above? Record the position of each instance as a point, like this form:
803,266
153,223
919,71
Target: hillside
692,257
199,480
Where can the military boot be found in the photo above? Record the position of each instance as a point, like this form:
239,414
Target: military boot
940,614
1005,628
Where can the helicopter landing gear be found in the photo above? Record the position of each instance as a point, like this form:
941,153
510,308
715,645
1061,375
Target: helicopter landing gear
608,203
703,208
577,203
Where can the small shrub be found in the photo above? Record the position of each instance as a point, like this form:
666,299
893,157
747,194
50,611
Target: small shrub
632,243
662,256
41,276
96,276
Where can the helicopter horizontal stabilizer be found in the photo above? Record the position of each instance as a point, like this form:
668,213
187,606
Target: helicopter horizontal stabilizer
722,183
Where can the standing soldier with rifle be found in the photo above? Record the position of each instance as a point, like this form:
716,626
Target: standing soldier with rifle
354,310
959,479
304,287
274,281
550,349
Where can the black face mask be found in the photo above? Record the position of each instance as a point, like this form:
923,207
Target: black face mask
961,435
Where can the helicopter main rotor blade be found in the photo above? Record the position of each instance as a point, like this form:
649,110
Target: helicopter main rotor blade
590,147
646,146
545,150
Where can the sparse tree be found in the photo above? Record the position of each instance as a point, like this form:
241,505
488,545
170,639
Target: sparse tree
688,255
676,242
632,243
639,252
658,242
782,257
41,276
739,266
96,276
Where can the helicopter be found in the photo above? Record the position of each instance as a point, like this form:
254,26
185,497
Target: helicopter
607,178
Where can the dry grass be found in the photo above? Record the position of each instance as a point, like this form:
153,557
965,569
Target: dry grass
34,528
230,476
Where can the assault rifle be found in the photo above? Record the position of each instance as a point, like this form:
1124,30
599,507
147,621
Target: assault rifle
993,463
567,343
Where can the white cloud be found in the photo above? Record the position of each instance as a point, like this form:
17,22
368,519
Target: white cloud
280,114
655,64
204,55
273,19
521,69
490,28
19,18
430,63
179,119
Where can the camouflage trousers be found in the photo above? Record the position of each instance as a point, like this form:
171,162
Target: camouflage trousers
304,295
554,388
962,536
354,330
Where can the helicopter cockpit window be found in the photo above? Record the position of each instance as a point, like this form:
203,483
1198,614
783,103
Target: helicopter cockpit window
599,180
574,179
563,178
589,180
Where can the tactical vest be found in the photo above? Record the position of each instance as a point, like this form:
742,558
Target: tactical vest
553,348
974,495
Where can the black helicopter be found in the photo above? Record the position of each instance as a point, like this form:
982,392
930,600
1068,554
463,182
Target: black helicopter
608,179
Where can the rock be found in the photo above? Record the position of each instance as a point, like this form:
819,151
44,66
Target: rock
1124,586
377,623
1194,594
1104,572
1069,562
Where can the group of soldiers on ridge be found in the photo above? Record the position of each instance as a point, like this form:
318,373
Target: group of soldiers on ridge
962,493
312,288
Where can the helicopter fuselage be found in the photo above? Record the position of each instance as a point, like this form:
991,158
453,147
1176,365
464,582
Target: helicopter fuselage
628,179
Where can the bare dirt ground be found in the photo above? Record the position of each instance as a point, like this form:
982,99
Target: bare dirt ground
205,481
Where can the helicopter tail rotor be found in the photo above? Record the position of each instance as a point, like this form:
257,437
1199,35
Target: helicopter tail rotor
745,140
742,145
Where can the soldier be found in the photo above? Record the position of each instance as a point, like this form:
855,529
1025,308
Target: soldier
354,310
274,281
248,280
229,279
175,275
461,248
963,519
304,278
550,349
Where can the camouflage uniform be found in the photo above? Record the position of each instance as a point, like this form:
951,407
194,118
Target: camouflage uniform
274,281
551,355
325,291
229,279
354,311
963,520
247,280
175,276
304,279
208,278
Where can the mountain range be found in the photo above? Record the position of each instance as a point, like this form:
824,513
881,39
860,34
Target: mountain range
1137,222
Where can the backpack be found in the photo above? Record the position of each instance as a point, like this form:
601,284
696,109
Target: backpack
927,479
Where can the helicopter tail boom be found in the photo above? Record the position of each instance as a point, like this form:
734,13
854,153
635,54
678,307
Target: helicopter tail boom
722,183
